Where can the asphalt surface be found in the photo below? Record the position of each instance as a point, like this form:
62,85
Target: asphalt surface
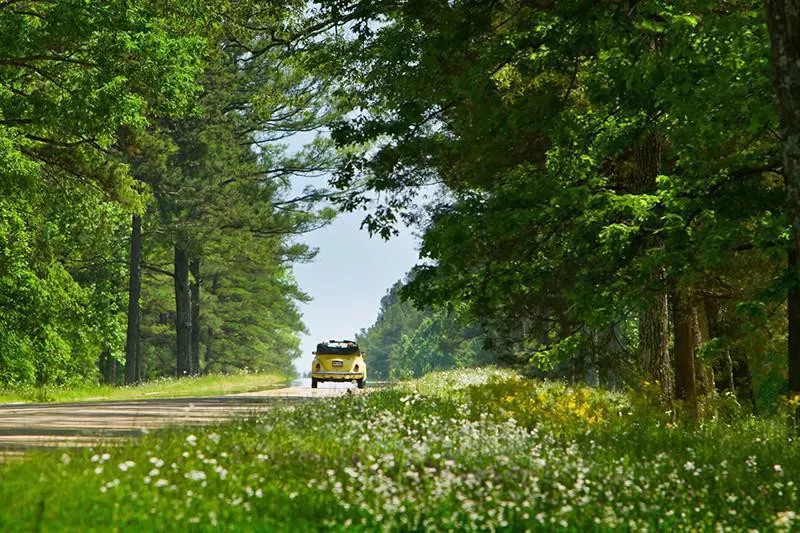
28,426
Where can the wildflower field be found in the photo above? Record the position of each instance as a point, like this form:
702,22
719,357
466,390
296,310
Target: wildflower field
470,449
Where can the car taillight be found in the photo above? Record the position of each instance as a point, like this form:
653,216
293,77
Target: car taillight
318,366
356,367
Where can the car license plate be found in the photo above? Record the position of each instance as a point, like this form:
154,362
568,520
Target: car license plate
338,363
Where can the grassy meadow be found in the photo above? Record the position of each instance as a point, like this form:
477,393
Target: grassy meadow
207,385
460,450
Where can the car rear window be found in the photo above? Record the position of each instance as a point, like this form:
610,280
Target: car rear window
337,348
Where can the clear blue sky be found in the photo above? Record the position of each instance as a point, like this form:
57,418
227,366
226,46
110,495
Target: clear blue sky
350,274
347,279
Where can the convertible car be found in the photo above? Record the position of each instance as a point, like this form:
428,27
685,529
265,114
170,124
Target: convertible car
338,361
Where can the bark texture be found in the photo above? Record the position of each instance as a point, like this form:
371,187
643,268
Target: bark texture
684,319
654,354
704,372
133,367
654,358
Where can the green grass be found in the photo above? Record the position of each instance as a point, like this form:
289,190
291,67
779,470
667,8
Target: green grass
466,450
209,385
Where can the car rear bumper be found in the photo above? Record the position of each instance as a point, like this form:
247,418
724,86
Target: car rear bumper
337,376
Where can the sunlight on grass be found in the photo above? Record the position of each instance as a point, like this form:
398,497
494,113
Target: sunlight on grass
209,385
498,453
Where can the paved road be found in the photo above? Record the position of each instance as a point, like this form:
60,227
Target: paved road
26,426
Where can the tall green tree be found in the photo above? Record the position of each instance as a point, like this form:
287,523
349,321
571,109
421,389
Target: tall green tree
594,157
73,75
225,181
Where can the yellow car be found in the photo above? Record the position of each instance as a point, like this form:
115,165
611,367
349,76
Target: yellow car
338,361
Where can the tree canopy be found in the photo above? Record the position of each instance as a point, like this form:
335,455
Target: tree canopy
606,189
608,177
174,112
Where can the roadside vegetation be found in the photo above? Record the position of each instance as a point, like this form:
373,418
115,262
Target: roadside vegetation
605,192
147,219
208,385
465,449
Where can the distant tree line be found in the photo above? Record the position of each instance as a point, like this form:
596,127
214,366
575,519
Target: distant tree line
406,342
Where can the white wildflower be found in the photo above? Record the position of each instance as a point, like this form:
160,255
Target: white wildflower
196,475
785,518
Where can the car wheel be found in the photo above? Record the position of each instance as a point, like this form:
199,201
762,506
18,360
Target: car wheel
360,383
313,383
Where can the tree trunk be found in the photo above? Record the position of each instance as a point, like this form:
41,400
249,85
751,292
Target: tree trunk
655,364
723,373
722,364
194,267
654,356
132,351
704,372
794,327
783,20
732,370
607,370
683,316
209,358
108,367
183,317
743,379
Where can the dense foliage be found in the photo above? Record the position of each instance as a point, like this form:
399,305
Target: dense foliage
460,450
72,74
605,189
221,225
173,112
59,286
607,178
